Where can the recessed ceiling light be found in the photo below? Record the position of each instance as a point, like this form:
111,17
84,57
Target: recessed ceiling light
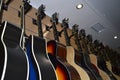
115,37
79,6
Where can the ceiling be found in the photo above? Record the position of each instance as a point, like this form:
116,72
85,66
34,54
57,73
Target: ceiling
103,15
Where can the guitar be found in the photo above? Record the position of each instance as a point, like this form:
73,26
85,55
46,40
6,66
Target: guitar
16,65
115,62
116,65
71,53
64,70
112,62
93,57
38,48
1,45
101,60
109,60
34,73
85,60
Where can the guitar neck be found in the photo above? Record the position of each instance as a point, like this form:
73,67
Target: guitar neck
77,42
25,6
22,18
67,38
22,15
39,23
40,15
55,32
54,22
65,27
1,10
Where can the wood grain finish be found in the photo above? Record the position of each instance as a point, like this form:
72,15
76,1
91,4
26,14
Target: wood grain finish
70,59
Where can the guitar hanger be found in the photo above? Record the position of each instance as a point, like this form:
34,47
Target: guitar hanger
27,7
3,6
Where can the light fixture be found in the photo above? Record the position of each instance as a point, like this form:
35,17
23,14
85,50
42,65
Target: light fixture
115,37
79,6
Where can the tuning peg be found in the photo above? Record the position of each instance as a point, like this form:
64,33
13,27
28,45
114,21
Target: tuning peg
48,28
89,37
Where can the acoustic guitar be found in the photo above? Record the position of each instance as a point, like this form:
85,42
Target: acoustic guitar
1,45
109,61
15,65
38,49
34,71
115,64
114,59
70,56
64,70
93,57
85,59
101,60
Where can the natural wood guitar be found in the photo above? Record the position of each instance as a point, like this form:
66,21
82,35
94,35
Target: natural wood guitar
84,61
101,59
93,57
70,57
107,53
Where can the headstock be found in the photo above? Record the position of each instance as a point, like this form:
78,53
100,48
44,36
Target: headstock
75,33
65,26
90,44
65,22
54,21
96,42
41,11
3,6
82,33
55,18
75,30
27,7
89,38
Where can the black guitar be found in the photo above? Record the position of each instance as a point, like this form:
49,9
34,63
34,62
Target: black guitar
34,72
37,49
1,45
15,65
14,59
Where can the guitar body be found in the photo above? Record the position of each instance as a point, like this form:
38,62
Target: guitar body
34,70
62,55
102,66
93,60
46,68
61,70
70,59
87,66
109,66
15,60
2,52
